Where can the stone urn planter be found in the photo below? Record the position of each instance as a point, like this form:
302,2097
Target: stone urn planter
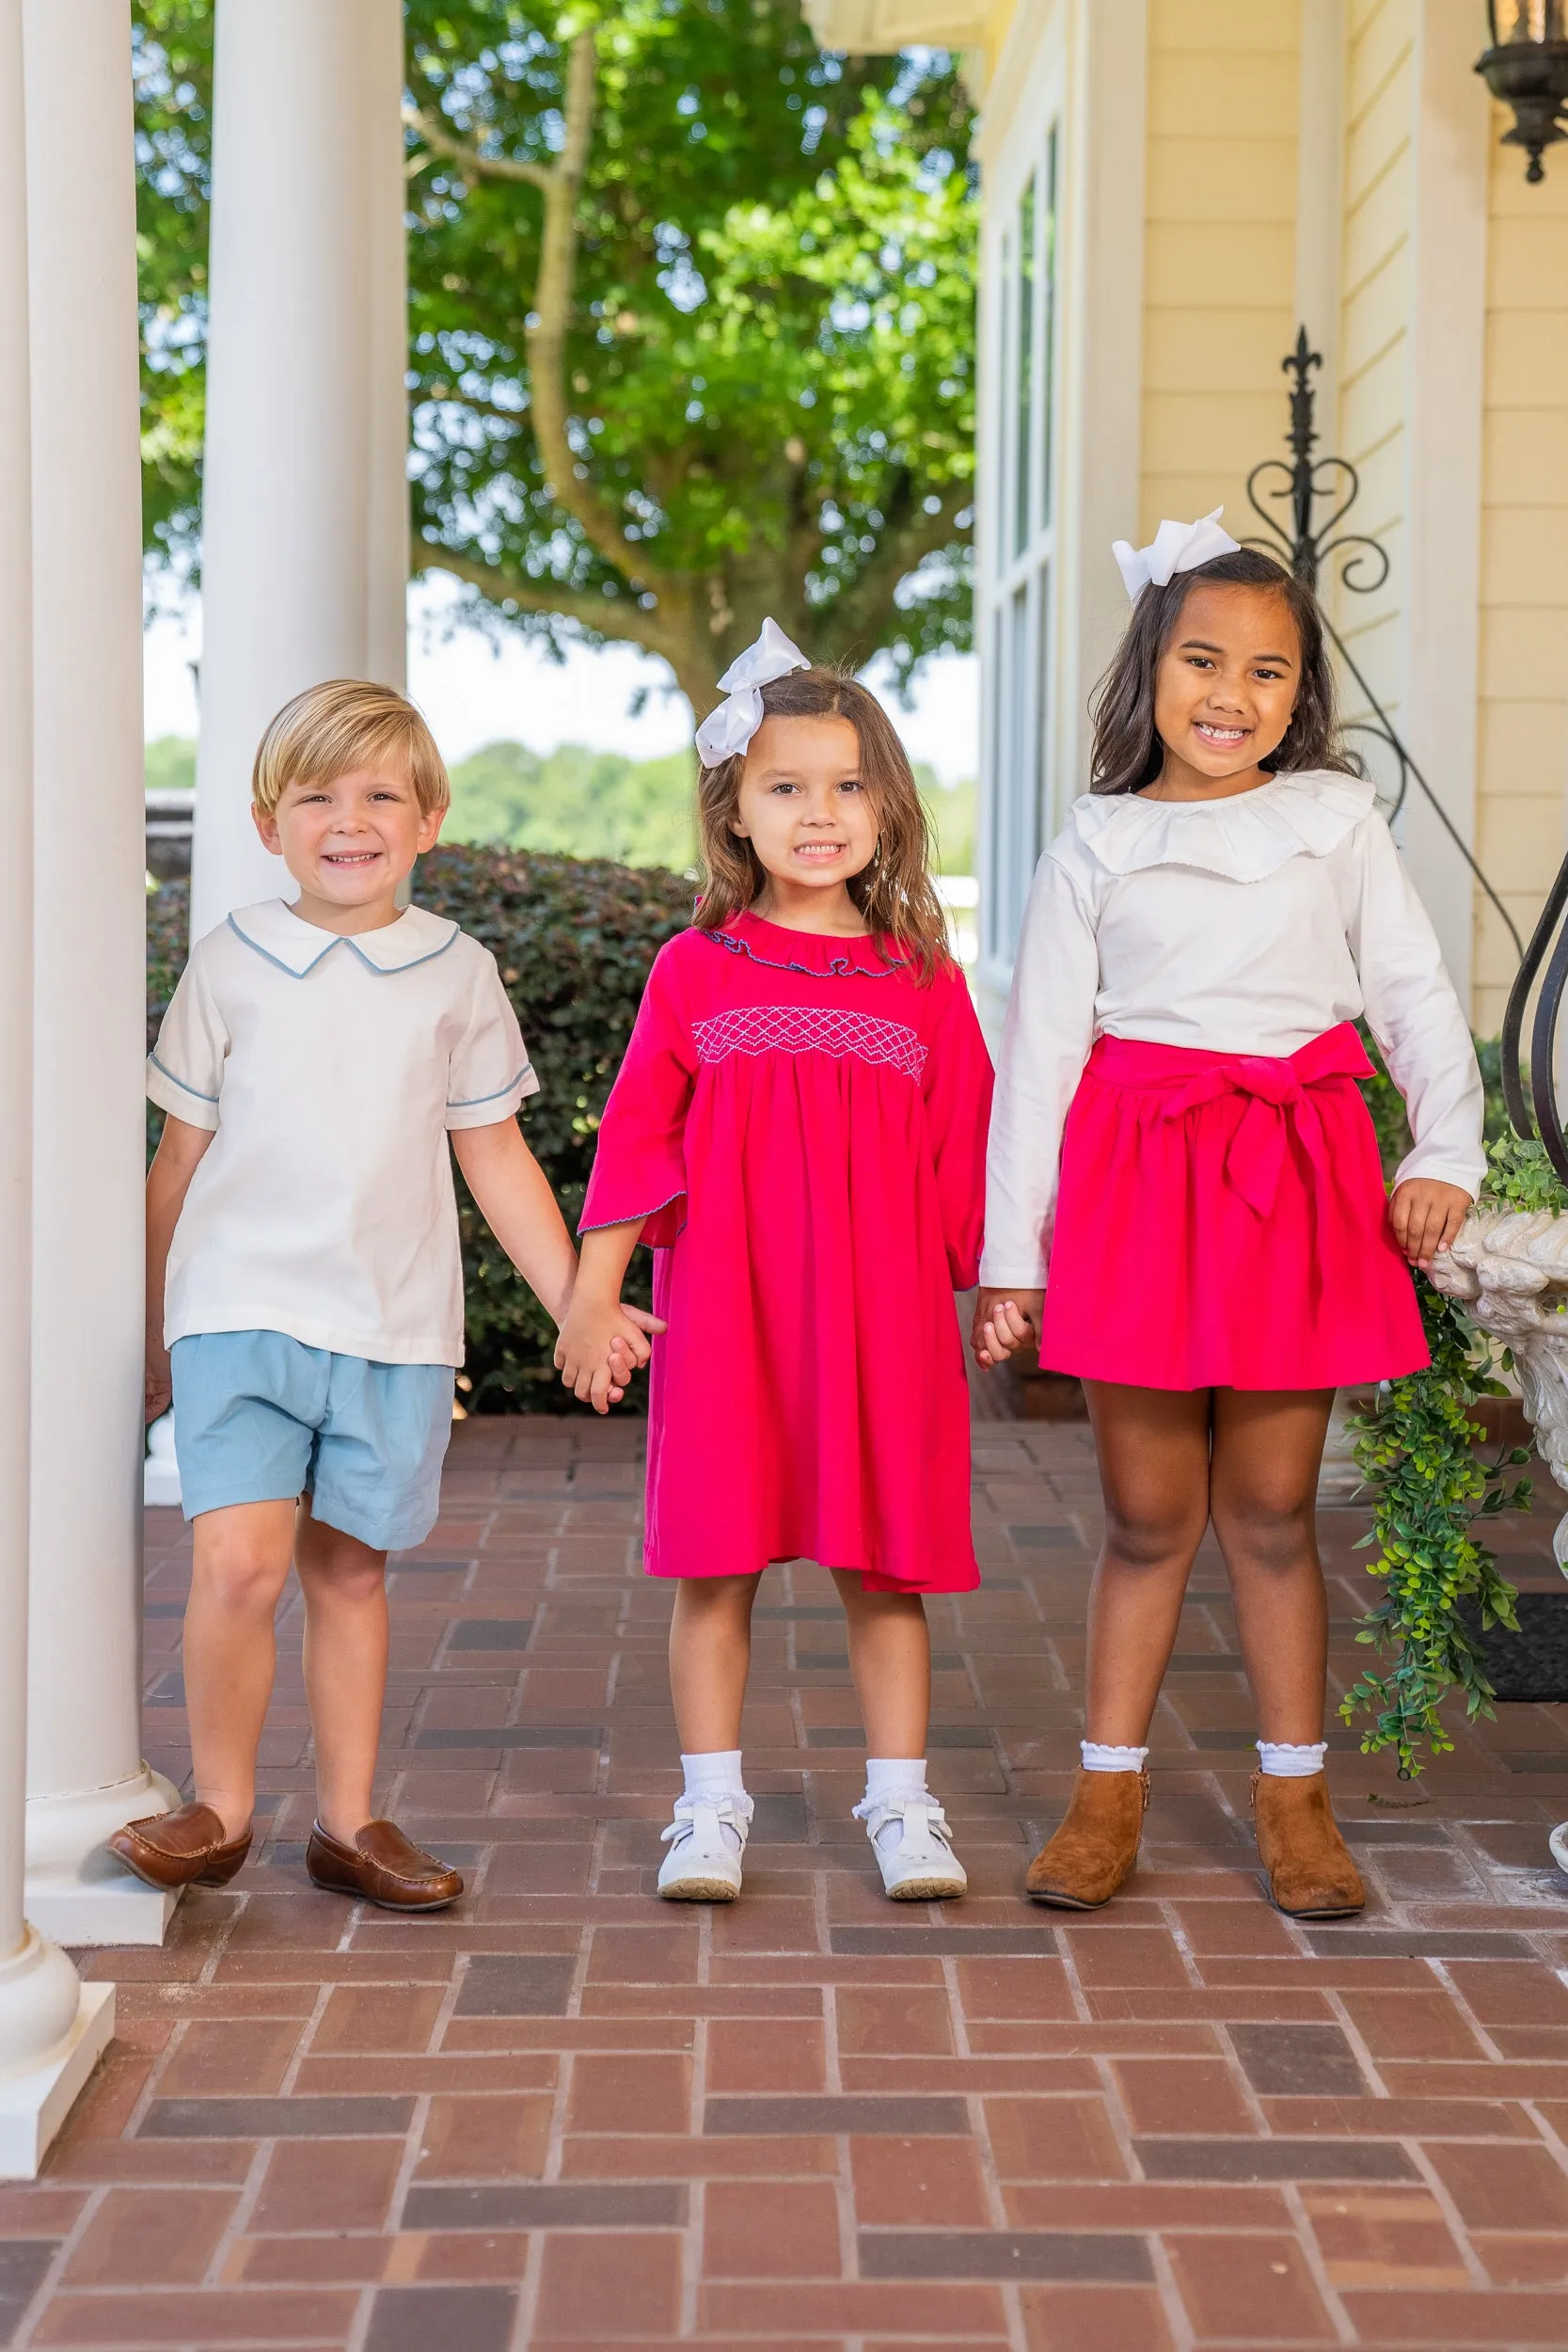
1508,1268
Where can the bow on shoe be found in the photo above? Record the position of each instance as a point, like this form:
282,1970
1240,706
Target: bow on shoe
730,728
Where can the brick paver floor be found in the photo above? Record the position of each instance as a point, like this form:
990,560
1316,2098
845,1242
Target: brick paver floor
564,2116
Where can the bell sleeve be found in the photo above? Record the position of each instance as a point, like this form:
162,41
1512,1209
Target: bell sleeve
488,1071
184,1070
640,1161
1416,1017
1045,1043
956,1084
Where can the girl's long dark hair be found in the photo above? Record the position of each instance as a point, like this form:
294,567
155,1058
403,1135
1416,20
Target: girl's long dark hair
1127,753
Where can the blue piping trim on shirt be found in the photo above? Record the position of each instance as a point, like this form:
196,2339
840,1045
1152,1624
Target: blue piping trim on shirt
839,967
343,940
180,1083
472,1102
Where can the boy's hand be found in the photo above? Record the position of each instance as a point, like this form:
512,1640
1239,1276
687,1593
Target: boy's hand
157,1385
1426,1217
601,1345
1005,1321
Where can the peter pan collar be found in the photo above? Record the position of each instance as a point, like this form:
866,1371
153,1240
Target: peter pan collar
276,933
1245,838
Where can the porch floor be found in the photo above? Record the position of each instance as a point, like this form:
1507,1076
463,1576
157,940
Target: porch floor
562,2116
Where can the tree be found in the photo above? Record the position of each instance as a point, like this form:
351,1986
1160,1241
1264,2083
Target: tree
692,323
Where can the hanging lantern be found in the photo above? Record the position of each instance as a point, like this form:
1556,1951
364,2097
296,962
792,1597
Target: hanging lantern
1527,67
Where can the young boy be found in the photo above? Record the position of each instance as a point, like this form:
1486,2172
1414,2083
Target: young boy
305,1296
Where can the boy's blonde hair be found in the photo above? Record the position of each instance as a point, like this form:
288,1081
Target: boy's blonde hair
344,724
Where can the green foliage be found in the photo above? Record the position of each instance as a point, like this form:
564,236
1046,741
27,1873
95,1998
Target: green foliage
951,810
573,940
169,764
577,803
1416,1450
1520,1176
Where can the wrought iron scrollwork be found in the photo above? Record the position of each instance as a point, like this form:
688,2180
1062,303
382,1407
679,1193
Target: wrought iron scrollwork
1308,546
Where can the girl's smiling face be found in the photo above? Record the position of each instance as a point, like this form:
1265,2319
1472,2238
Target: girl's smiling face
803,808
1224,690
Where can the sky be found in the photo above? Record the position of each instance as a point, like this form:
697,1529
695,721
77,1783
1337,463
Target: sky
473,694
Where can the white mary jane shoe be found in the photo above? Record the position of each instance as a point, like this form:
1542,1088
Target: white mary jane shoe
707,1840
918,1866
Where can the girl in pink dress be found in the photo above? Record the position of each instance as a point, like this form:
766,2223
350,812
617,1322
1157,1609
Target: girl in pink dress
798,1129
1185,1204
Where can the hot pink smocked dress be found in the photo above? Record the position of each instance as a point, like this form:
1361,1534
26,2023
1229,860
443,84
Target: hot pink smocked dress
803,1126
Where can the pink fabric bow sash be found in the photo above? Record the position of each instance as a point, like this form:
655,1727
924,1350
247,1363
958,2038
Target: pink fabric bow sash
1280,1087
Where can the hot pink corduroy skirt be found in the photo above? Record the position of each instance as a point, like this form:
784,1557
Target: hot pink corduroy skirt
1222,1222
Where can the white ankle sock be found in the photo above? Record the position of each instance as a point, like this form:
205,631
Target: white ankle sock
894,1776
716,1775
1098,1759
1281,1761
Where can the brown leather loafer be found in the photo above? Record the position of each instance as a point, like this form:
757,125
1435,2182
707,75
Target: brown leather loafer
187,1847
1097,1845
381,1867
1311,1875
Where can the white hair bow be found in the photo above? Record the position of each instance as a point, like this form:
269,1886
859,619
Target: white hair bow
730,728
1175,548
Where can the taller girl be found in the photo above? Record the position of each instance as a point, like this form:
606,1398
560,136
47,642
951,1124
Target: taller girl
1184,1196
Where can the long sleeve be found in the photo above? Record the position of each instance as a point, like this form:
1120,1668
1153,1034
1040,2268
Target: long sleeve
958,1088
1416,1018
640,1161
1045,1043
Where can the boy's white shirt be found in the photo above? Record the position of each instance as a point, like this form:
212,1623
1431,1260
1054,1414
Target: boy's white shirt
1241,926
330,1071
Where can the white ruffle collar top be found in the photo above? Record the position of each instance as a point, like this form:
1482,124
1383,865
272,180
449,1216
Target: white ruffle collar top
1245,838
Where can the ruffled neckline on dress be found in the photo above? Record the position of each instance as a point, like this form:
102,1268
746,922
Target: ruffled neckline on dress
1245,838
786,950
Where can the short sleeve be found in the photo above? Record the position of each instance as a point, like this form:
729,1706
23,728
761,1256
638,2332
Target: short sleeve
184,1070
489,1074
958,1088
639,1162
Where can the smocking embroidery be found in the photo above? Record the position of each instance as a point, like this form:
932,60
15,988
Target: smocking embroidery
809,1029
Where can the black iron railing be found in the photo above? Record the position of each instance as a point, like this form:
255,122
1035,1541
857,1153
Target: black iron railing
1307,545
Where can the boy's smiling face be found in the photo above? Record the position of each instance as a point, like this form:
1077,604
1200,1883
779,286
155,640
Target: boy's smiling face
349,843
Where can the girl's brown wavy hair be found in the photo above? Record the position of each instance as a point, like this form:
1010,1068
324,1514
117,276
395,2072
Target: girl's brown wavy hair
1127,753
895,893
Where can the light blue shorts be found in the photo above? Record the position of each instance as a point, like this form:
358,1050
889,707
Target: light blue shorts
260,1418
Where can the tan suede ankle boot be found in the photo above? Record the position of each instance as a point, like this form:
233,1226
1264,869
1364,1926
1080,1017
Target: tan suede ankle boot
1311,1875
1097,1845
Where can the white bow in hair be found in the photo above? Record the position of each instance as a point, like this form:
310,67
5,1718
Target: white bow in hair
730,728
1175,548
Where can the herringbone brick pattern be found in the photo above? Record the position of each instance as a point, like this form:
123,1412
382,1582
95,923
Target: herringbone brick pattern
564,2116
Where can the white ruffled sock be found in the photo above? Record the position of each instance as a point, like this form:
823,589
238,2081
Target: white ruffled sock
1281,1761
712,1778
887,1778
1099,1758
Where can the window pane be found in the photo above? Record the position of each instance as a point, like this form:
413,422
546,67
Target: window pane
1024,369
1048,321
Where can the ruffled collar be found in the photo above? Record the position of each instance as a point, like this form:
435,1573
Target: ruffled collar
1245,838
784,950
276,932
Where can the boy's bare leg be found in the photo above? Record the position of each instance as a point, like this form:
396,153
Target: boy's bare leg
344,1584
890,1657
710,1655
241,1558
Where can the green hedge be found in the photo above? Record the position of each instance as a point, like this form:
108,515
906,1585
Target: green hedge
573,939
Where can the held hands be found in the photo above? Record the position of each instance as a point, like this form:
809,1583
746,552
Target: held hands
1005,1321
601,1345
1426,1217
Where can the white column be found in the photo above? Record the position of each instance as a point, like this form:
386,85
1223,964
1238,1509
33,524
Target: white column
302,199
386,443
84,1770
53,2027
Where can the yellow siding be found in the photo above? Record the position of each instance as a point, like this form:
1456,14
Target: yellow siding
1219,257
1524,596
1375,318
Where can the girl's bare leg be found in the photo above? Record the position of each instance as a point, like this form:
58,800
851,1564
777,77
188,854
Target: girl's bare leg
890,1657
710,1655
344,1584
1152,1446
1263,1481
240,1564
